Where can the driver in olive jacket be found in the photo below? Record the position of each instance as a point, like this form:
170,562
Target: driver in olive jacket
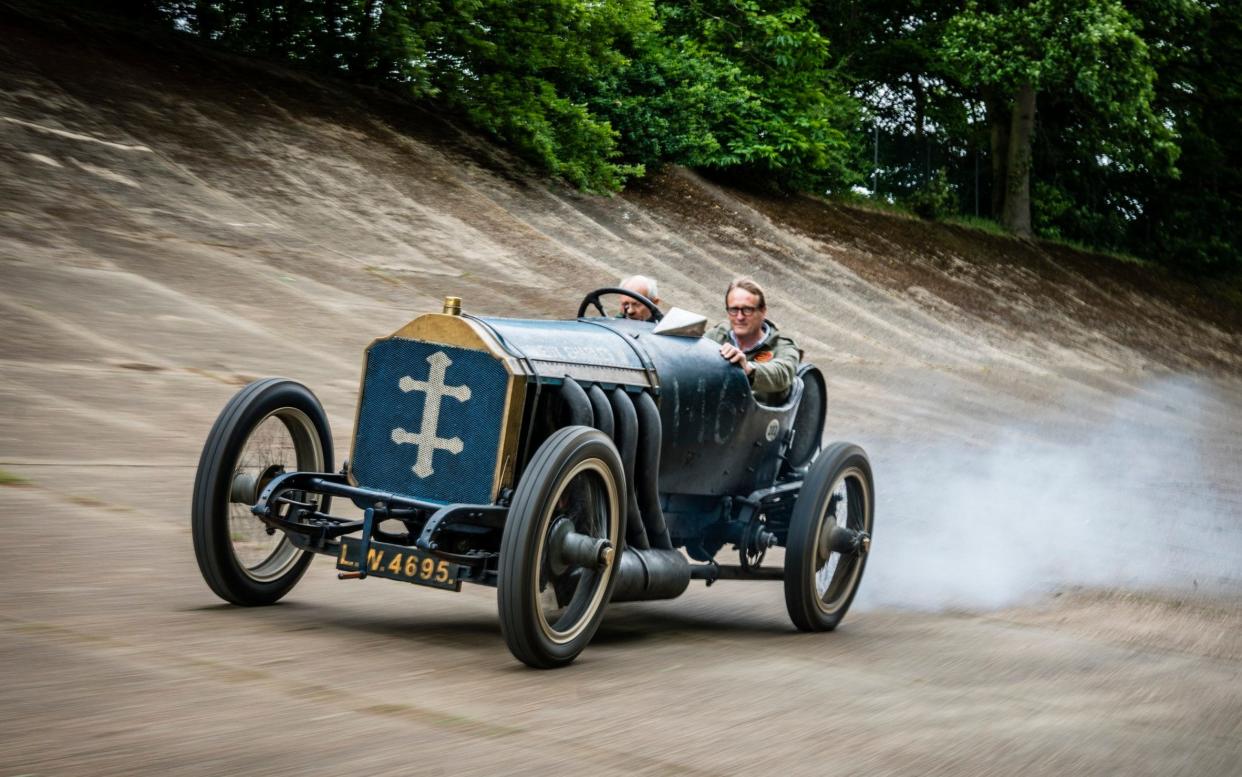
769,358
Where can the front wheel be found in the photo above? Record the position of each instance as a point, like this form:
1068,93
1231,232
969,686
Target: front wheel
270,427
559,550
829,538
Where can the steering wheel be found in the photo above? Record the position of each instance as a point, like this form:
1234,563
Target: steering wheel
593,299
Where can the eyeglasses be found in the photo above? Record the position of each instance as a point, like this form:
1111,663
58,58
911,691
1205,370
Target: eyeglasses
748,310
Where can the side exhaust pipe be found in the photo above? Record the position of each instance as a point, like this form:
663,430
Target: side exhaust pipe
650,436
577,403
627,443
644,575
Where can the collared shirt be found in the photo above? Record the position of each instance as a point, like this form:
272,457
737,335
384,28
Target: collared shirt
763,335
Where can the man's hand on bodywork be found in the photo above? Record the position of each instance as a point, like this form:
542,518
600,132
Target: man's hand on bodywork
735,355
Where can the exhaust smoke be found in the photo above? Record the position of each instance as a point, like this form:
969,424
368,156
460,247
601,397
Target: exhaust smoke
1150,499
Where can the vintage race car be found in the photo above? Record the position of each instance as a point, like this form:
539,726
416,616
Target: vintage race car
568,464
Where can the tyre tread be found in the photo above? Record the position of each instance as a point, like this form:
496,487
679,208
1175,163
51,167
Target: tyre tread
215,562
803,610
516,616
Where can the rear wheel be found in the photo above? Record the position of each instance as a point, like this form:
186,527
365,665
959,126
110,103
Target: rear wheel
829,538
270,427
558,553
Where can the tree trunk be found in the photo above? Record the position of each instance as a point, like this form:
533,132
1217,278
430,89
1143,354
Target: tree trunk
253,33
364,54
998,122
206,16
920,118
1016,215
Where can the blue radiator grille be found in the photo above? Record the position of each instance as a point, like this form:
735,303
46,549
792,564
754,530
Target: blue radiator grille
429,421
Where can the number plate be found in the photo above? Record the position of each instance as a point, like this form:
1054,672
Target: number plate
398,562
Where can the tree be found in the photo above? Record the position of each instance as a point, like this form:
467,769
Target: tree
1089,49
524,72
1194,222
791,121
778,92
919,135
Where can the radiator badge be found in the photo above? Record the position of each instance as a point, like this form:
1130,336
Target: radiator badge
436,389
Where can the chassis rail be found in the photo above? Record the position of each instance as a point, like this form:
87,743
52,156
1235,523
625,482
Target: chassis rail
284,505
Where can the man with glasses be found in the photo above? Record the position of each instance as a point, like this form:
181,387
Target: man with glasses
769,358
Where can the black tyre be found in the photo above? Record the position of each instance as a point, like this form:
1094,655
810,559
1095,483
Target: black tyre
823,566
269,427
551,608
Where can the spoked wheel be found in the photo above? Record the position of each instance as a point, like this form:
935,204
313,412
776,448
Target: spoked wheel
270,427
829,538
558,553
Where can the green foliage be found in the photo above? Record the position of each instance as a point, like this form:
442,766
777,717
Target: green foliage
593,92
804,95
1098,118
1052,207
789,117
564,137
1099,188
918,117
669,101
935,199
1194,222
977,224
369,40
1089,52
517,71
523,72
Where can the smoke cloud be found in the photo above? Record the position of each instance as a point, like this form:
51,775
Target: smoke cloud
1148,500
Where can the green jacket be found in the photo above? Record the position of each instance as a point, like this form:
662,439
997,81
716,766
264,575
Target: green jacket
775,360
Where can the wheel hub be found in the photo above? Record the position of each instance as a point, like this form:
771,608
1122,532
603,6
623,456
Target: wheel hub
846,541
567,548
756,539
247,486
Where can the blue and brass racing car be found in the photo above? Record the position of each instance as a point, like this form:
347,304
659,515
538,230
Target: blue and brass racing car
568,464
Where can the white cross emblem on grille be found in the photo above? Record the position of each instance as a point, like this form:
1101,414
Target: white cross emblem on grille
426,440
